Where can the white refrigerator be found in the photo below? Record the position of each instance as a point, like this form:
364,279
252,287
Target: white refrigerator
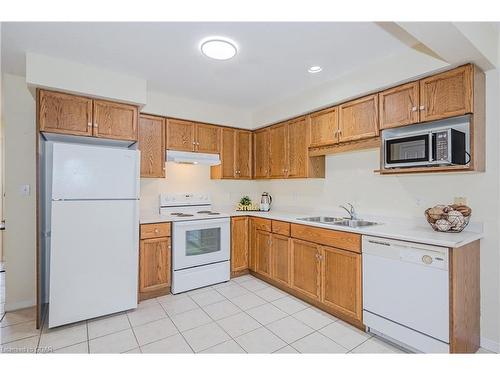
91,230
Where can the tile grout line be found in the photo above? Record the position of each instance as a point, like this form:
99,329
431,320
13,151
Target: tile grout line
133,332
177,328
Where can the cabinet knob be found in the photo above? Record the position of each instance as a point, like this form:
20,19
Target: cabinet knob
422,107
414,109
156,230
197,143
194,143
95,125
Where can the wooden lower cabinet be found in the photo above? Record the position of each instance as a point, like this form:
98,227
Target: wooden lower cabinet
239,244
306,268
341,281
154,262
280,258
328,276
263,252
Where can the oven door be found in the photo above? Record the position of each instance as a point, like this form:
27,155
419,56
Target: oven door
408,151
200,242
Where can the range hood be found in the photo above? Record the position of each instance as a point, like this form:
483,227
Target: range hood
185,157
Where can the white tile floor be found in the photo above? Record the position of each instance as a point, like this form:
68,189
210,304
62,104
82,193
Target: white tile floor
244,315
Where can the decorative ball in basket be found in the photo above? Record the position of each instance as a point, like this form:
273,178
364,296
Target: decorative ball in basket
453,218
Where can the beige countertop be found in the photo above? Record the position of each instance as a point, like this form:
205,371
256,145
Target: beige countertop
403,229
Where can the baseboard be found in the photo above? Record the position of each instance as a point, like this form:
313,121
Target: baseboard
490,345
11,306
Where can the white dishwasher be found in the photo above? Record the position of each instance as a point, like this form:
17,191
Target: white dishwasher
405,293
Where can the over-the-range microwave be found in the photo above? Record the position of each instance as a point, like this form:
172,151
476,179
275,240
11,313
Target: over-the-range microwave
426,148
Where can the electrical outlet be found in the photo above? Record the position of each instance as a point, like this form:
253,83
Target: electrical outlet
462,201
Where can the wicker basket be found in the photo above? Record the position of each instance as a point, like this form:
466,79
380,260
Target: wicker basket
450,219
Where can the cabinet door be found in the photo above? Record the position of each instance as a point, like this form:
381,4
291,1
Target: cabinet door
152,146
154,264
261,153
263,252
252,245
239,244
115,120
243,154
341,281
207,138
447,94
399,106
180,135
298,140
63,113
228,162
358,119
324,127
278,140
306,268
280,259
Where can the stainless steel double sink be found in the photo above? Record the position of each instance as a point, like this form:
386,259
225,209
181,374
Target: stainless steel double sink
340,221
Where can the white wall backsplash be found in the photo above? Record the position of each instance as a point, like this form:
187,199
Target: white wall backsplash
184,178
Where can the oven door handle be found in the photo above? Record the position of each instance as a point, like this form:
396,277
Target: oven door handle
208,223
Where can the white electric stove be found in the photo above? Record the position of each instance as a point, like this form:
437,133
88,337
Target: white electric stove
200,241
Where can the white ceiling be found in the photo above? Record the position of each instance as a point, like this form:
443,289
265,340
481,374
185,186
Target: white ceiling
271,64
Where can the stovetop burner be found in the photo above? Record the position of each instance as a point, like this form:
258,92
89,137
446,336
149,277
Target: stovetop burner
181,214
208,212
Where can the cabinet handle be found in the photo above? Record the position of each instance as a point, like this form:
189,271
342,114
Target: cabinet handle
414,109
95,125
197,143
422,107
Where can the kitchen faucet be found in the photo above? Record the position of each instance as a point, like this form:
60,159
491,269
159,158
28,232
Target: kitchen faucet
351,211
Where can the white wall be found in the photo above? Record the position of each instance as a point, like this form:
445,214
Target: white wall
182,178
20,213
58,74
162,104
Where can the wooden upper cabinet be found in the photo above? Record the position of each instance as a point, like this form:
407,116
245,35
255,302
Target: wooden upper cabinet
447,94
399,106
306,268
154,264
341,281
207,138
152,146
115,120
263,252
243,155
358,119
261,153
324,127
228,147
63,113
280,259
180,135
298,141
278,153
239,244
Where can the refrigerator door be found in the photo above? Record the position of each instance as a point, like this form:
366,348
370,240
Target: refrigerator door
94,172
93,260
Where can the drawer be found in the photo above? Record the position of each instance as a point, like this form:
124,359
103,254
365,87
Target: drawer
328,237
155,230
281,227
262,224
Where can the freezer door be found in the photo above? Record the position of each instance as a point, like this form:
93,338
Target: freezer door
94,172
93,259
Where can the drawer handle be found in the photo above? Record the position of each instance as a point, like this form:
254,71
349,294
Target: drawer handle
379,243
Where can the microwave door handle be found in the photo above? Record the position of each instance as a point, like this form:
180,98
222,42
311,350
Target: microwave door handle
431,159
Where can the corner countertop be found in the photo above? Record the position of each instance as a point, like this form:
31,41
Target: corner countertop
403,229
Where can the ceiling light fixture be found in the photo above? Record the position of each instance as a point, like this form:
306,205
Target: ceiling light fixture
315,69
218,48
